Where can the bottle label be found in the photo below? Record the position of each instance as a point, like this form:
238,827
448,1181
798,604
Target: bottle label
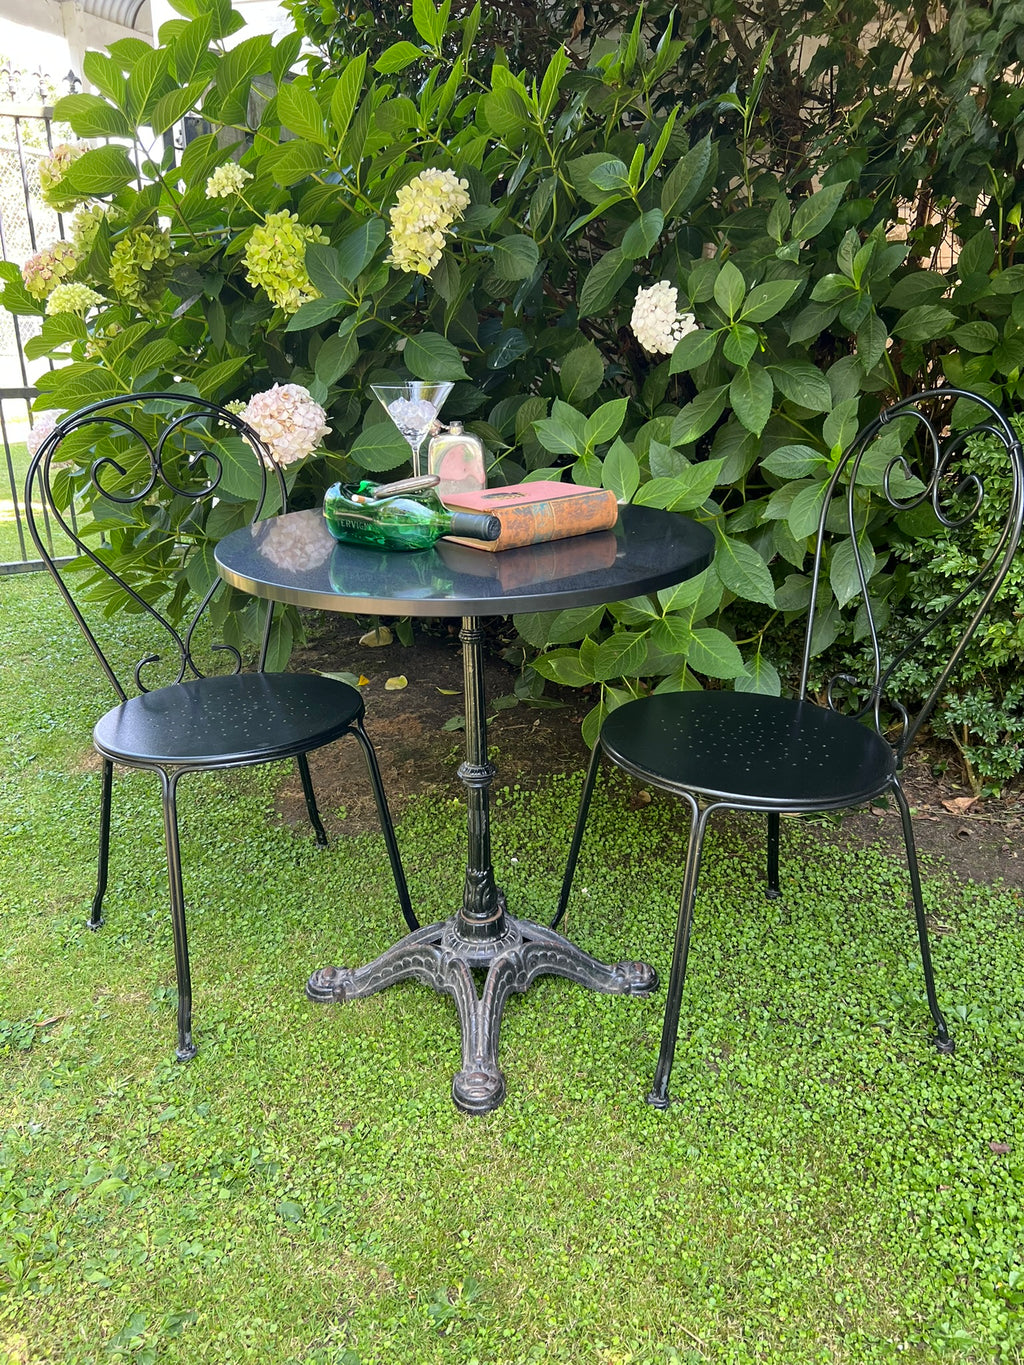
351,522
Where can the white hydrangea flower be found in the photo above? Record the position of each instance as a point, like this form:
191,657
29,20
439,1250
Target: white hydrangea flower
227,181
422,218
288,420
656,321
73,298
43,424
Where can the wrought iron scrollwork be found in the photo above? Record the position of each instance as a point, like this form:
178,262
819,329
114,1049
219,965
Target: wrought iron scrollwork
953,488
150,436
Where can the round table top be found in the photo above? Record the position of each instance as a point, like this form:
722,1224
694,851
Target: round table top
295,559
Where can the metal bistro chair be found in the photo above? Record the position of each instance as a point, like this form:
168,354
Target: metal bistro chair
186,720
730,750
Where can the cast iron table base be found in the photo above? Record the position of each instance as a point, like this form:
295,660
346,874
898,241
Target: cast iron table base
483,935
440,956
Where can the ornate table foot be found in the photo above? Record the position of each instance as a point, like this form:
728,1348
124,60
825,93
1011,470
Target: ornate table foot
439,957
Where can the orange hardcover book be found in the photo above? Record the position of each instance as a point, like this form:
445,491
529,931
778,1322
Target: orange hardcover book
534,512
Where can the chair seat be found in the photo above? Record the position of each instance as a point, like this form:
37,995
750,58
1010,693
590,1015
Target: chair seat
235,719
749,748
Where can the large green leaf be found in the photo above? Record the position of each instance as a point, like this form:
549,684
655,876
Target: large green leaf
620,656
730,289
91,116
100,171
564,666
606,422
314,312
293,161
742,570
767,299
621,471
569,626
761,676
432,358
563,433
682,492
379,447
683,182
842,569
927,322
699,416
815,213
515,257
345,96
397,57
802,384
750,394
581,372
603,282
148,80
712,653
300,113
641,237
357,250
172,107
696,348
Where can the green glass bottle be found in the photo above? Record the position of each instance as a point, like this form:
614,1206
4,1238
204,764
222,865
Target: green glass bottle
407,515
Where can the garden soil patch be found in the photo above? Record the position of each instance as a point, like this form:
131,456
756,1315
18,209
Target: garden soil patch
981,839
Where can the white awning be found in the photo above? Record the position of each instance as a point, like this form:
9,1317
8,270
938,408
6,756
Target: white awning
127,13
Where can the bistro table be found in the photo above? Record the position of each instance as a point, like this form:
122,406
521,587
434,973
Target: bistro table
293,558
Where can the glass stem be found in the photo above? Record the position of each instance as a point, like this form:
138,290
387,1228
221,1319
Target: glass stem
417,450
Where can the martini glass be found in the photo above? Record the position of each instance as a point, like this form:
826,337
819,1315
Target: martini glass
413,407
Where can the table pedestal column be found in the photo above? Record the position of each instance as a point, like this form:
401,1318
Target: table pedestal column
482,935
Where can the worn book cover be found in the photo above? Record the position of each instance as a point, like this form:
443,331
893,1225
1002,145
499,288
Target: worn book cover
534,512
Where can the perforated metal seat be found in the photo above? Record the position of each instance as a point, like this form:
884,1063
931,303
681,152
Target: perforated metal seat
733,750
198,721
230,720
773,750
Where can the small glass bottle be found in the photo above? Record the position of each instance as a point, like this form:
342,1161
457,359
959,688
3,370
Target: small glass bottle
407,515
457,458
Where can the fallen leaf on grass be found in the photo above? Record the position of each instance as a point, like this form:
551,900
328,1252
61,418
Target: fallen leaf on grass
957,805
1000,1148
449,692
396,684
373,639
353,679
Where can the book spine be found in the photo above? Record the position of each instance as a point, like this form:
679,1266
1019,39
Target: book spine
553,519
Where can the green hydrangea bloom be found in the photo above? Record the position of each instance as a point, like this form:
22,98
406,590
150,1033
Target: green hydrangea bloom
52,170
86,224
73,298
140,264
275,259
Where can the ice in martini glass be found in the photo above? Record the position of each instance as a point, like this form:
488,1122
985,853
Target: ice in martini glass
413,407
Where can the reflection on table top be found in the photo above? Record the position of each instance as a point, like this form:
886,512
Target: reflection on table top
295,559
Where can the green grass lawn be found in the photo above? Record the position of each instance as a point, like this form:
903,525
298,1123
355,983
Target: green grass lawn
826,1188
13,547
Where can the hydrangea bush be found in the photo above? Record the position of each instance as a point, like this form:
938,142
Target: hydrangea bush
624,290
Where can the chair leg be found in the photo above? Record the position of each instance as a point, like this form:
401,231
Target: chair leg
670,1029
186,1049
310,795
943,1041
772,889
577,834
387,827
106,789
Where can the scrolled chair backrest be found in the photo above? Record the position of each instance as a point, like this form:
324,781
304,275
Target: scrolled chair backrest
954,458
130,477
